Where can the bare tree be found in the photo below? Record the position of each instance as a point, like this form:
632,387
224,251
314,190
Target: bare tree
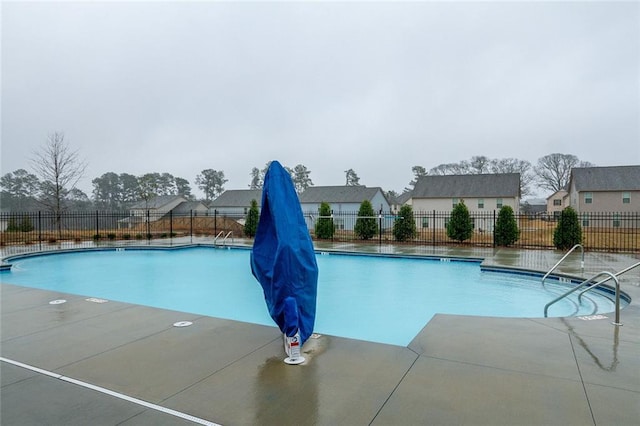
478,164
513,165
60,169
554,170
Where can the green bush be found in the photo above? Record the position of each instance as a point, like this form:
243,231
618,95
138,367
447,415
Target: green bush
251,221
138,236
460,227
404,227
111,236
506,231
568,232
324,226
127,236
25,224
97,237
366,224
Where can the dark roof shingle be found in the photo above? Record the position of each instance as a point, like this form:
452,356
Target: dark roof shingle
460,186
338,194
616,178
237,198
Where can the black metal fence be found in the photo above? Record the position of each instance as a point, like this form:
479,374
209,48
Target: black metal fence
618,232
600,231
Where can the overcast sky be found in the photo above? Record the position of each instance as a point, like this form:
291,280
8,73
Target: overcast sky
376,87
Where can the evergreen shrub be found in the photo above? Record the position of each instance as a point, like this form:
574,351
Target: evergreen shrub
366,224
506,231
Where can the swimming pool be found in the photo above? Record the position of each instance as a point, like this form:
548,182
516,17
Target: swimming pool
380,299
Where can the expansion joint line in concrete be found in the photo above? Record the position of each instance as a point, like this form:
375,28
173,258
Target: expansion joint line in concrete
584,388
110,393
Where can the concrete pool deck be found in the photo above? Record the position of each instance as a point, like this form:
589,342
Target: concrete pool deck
59,363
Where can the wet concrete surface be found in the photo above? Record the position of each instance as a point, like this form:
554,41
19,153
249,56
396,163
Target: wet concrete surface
457,370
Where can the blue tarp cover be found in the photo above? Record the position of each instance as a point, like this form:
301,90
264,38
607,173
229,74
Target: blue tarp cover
282,259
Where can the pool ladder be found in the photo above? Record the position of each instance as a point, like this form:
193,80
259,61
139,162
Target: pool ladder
563,258
611,276
224,240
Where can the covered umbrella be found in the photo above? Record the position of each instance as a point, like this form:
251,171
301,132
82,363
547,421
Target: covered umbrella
284,262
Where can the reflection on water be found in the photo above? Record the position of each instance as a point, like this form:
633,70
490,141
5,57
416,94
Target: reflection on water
289,393
600,363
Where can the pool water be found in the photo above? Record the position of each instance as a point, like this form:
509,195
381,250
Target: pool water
380,299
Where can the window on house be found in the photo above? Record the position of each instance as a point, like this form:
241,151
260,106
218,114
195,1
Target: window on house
626,198
481,203
585,220
245,210
588,197
499,203
557,202
425,222
455,201
616,220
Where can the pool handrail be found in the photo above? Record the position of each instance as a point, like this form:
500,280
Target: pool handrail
563,258
224,240
617,274
587,281
217,236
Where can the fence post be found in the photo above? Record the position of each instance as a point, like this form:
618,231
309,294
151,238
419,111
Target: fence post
494,229
380,228
148,226
191,224
97,225
171,225
433,229
40,229
215,222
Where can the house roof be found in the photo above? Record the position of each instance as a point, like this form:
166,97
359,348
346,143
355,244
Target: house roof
616,178
157,202
460,186
339,194
237,198
404,197
188,206
558,192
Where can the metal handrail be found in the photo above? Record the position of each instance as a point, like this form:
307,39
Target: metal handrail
617,274
224,240
576,288
563,258
217,236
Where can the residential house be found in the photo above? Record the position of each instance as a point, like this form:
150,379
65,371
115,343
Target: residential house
342,199
156,207
235,202
400,200
556,202
481,193
614,190
188,208
534,207
159,207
